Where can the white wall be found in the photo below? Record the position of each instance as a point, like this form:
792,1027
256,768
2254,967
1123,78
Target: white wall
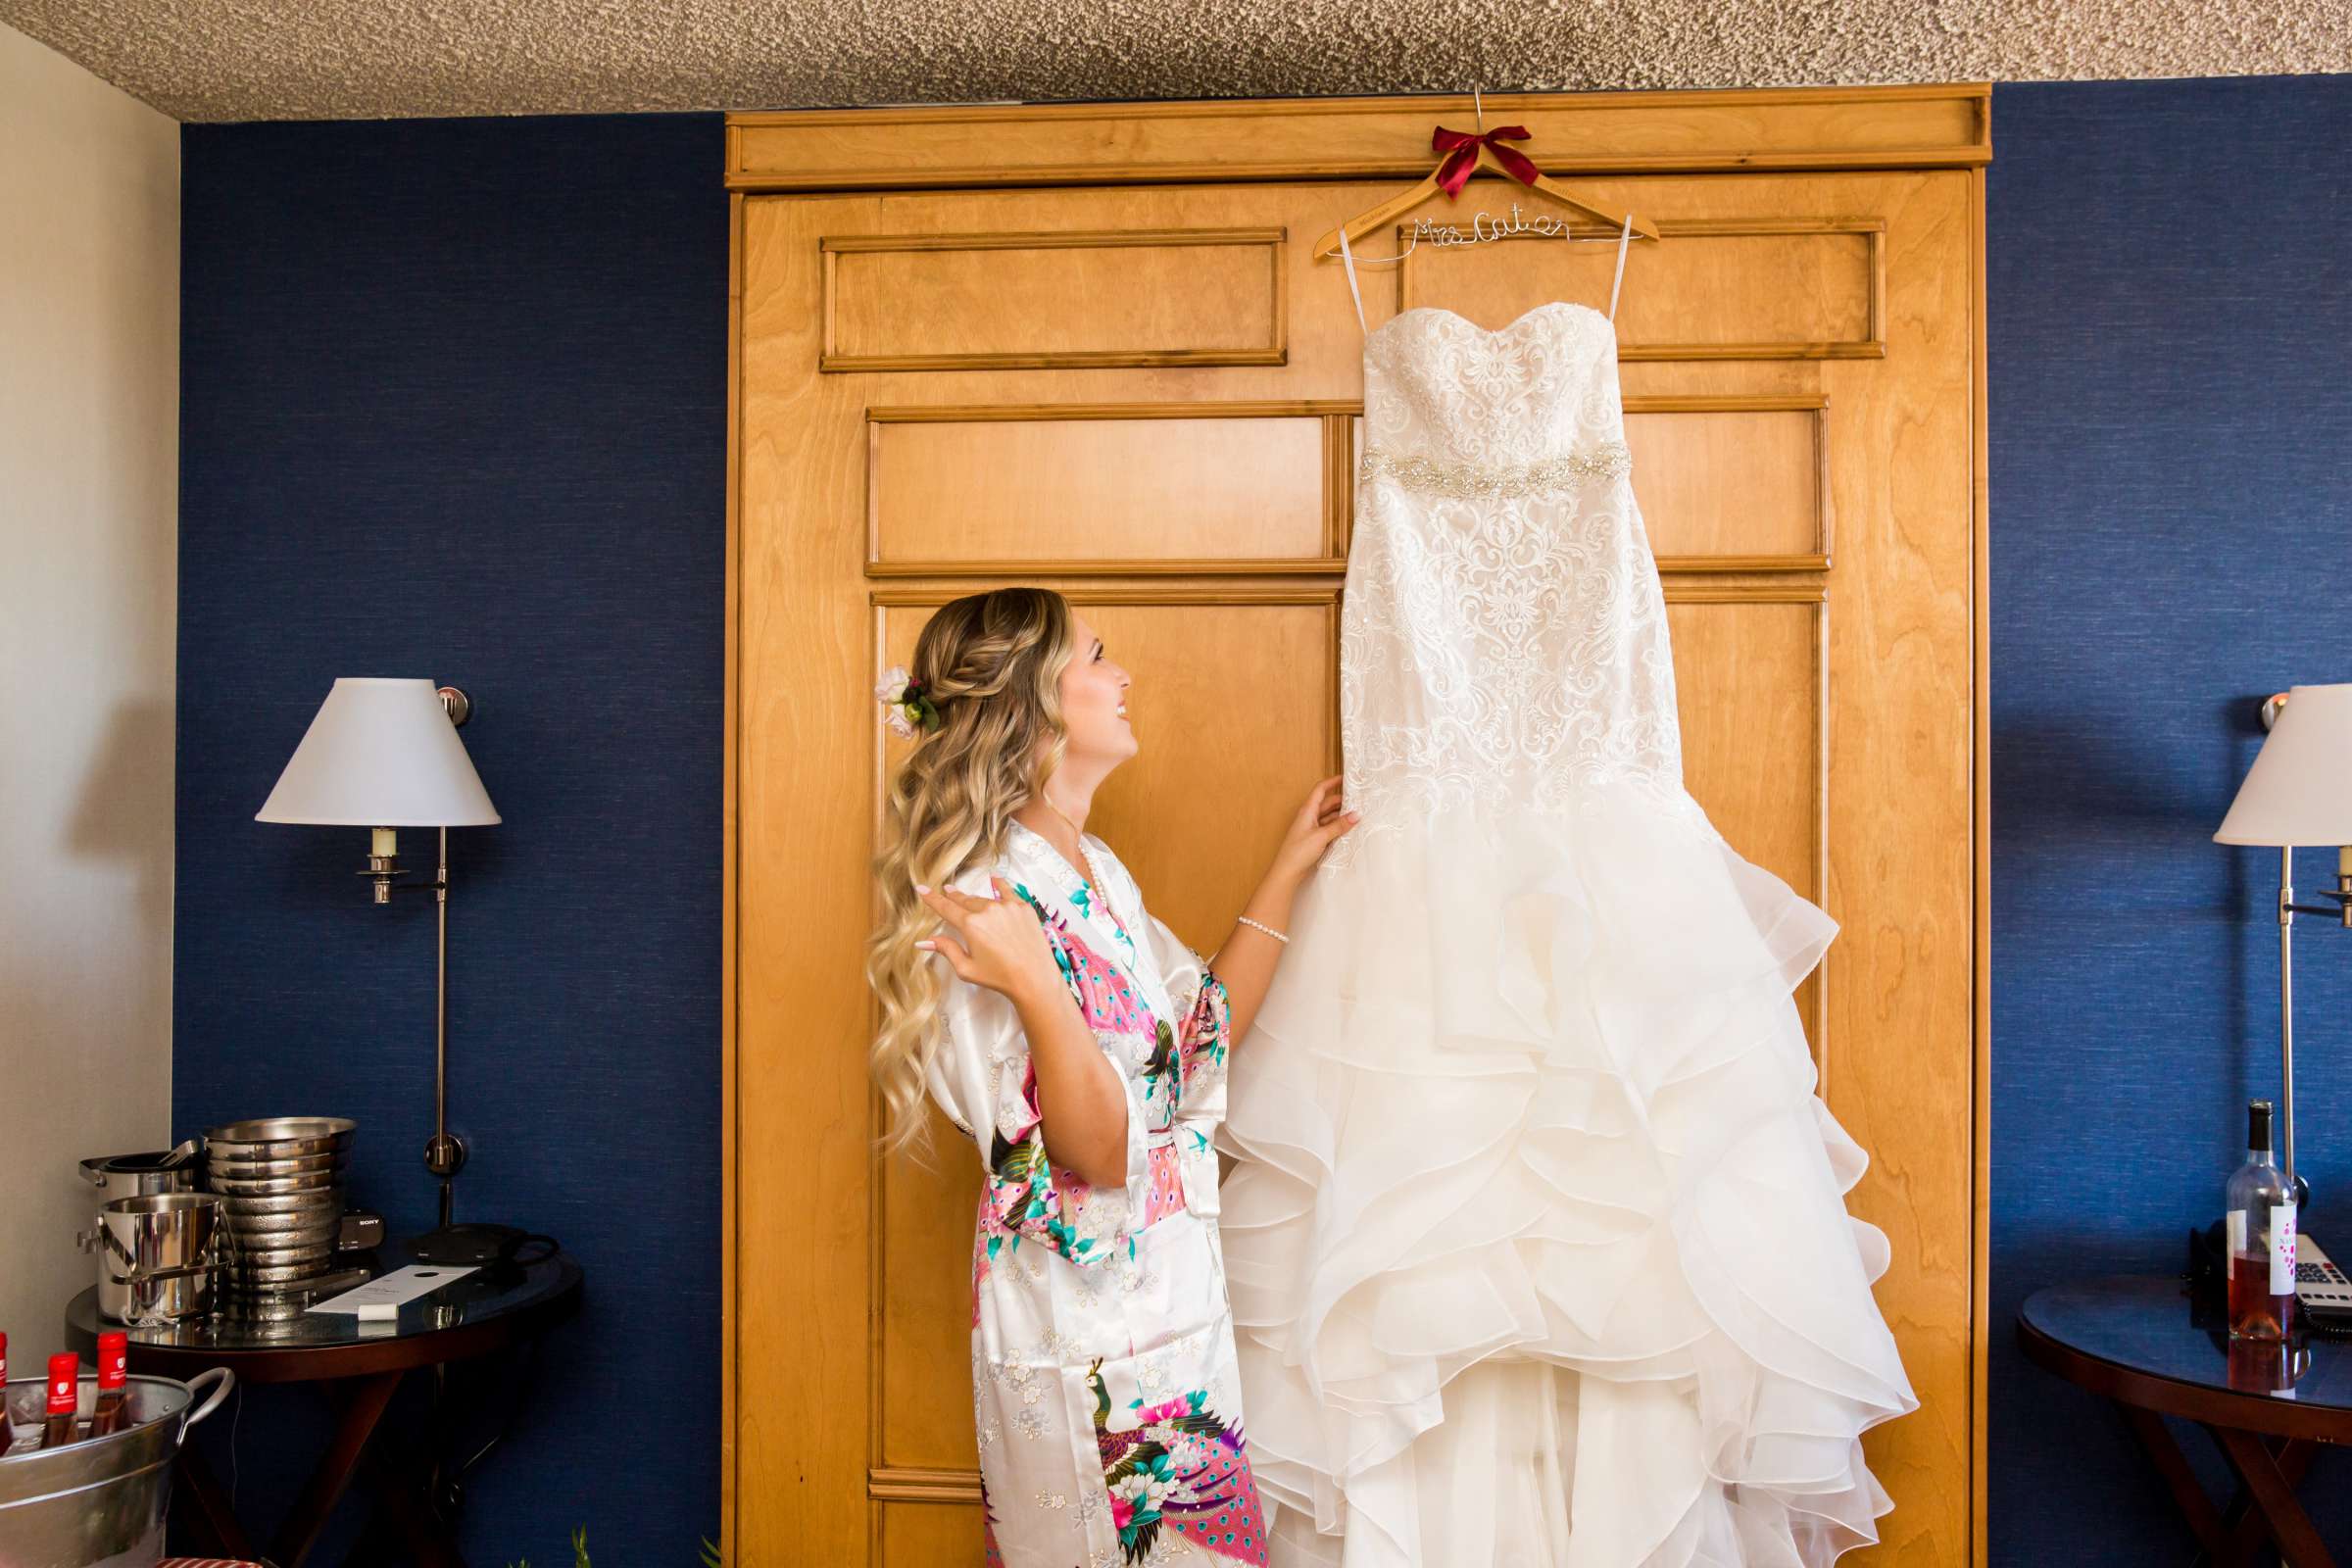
89,455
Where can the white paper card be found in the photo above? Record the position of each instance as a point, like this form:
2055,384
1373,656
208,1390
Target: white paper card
382,1298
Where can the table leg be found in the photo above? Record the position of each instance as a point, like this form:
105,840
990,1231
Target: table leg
205,1507
327,1483
2156,1440
2243,1521
429,1542
2273,1497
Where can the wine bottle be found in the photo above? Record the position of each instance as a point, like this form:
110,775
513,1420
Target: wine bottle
64,1400
2261,1221
109,1414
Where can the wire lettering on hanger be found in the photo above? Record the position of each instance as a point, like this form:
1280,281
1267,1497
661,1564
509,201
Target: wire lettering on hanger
1485,226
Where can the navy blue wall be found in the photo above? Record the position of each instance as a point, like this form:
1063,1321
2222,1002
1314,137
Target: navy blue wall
2171,348
454,404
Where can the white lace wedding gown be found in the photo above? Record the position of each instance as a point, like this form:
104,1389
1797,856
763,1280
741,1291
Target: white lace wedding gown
1538,1247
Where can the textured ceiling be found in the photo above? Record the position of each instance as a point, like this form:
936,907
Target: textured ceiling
364,59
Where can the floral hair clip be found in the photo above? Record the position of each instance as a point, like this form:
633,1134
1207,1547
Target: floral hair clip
909,707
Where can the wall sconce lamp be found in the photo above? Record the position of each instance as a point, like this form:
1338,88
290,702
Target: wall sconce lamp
2299,790
384,755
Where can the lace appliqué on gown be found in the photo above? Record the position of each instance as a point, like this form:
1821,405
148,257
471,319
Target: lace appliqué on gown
1503,638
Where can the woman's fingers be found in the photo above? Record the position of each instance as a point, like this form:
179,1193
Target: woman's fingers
952,906
949,949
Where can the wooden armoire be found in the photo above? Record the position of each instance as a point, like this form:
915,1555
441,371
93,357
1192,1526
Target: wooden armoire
1088,346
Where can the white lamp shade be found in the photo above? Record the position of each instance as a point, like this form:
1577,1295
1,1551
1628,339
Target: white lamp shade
380,754
2299,790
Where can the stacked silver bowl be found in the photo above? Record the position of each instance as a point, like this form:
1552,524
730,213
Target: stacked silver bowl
280,1180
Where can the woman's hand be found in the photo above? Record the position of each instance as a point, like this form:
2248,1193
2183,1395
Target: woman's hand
998,942
1318,825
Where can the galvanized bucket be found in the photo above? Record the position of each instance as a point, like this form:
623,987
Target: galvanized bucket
99,1503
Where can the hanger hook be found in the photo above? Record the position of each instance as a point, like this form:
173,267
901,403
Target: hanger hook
1478,107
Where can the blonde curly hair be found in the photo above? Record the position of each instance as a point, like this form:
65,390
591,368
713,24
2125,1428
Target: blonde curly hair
990,663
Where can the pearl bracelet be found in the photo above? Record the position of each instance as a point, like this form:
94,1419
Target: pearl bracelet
1261,925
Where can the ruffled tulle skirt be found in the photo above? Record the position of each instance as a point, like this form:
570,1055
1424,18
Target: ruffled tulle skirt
1537,1241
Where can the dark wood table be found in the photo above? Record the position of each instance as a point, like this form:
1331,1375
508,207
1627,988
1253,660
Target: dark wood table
358,1367
2155,1348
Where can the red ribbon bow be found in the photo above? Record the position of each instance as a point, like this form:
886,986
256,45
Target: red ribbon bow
1460,148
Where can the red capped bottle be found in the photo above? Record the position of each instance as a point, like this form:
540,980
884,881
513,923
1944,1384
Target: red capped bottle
110,1414
64,1400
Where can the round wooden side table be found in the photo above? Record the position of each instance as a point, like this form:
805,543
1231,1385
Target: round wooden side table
358,1366
2155,1348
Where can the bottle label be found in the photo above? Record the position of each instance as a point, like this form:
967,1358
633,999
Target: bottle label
65,1389
2238,1233
114,1362
2282,1249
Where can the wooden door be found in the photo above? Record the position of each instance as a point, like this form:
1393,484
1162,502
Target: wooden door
1145,394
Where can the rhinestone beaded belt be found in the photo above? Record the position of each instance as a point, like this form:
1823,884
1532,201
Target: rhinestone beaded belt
1608,461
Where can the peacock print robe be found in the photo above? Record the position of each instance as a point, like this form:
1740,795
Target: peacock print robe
1105,1392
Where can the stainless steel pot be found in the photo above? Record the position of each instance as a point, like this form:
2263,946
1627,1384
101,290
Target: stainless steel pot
315,1205
158,1255
99,1503
322,1181
281,1136
136,1175
247,1168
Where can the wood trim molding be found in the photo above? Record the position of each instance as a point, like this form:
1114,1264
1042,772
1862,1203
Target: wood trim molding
1140,594
730,1325
1222,142
976,413
1335,565
907,1484
1981,1329
1747,593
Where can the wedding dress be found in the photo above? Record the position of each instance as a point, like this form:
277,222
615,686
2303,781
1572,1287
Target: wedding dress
1537,1243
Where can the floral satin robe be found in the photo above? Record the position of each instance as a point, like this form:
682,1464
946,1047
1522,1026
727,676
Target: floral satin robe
1104,1391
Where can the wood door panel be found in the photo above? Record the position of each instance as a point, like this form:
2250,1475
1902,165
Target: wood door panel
1751,686
1255,669
922,1533
1245,489
1730,485
1756,288
944,389
995,300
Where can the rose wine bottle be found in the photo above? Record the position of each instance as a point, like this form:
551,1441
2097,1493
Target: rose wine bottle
2261,1221
113,1365
64,1400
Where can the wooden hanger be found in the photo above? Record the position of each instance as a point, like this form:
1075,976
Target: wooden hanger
1397,206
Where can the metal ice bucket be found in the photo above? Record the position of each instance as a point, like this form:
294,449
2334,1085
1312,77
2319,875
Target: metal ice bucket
136,1175
157,1257
99,1503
